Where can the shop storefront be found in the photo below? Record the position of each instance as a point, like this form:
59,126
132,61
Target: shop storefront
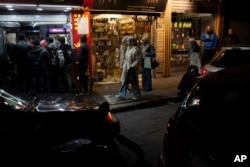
107,32
108,27
169,24
186,27
188,23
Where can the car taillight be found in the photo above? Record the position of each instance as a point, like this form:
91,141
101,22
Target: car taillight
203,71
109,117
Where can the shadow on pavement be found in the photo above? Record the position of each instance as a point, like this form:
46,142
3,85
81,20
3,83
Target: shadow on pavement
140,162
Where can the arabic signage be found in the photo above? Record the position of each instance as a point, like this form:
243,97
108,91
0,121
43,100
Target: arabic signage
151,6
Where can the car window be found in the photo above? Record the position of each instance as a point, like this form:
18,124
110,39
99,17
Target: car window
231,58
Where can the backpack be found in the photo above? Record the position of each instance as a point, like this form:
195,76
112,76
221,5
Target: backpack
54,56
67,53
61,57
36,59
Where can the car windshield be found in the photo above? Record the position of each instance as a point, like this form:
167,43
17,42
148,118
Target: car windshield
231,58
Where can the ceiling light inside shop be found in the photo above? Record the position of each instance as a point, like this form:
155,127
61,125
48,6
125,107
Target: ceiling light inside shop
39,9
62,7
48,23
16,5
109,16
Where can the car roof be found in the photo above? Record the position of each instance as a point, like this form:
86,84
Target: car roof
233,78
242,46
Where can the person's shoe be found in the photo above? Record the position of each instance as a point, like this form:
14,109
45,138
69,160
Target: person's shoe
84,93
135,98
147,90
120,97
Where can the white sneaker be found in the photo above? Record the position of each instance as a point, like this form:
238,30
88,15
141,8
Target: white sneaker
135,98
120,97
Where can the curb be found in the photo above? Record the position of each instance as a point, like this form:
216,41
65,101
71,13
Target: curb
141,104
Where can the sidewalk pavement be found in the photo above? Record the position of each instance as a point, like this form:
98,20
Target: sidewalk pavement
164,92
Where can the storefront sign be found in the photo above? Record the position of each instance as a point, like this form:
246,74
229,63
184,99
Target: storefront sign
151,6
58,30
83,24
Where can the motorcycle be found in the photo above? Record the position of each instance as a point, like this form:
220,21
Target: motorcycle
57,129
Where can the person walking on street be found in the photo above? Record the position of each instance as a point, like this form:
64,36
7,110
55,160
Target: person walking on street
231,38
148,53
123,48
83,64
209,42
132,62
189,78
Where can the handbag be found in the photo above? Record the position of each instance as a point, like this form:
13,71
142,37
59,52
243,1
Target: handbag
155,64
131,76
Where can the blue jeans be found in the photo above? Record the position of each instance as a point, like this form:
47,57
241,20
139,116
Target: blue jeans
124,87
146,79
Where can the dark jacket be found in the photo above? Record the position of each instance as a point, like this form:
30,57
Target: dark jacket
231,40
84,54
22,49
40,57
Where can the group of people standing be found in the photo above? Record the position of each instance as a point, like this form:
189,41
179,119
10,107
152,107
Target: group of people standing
36,68
44,71
200,54
132,59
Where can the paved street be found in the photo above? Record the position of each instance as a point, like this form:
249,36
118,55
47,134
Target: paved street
145,127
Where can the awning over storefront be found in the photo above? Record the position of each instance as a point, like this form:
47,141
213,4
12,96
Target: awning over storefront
147,6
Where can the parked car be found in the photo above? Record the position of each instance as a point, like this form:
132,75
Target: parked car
228,57
55,129
211,126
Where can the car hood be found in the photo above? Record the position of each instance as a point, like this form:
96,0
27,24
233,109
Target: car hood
14,100
65,102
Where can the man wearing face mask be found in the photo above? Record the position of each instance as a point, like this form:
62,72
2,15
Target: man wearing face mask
209,43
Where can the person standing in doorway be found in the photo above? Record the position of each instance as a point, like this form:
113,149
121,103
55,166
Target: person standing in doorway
24,64
231,38
209,42
66,69
148,52
83,64
54,69
41,62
